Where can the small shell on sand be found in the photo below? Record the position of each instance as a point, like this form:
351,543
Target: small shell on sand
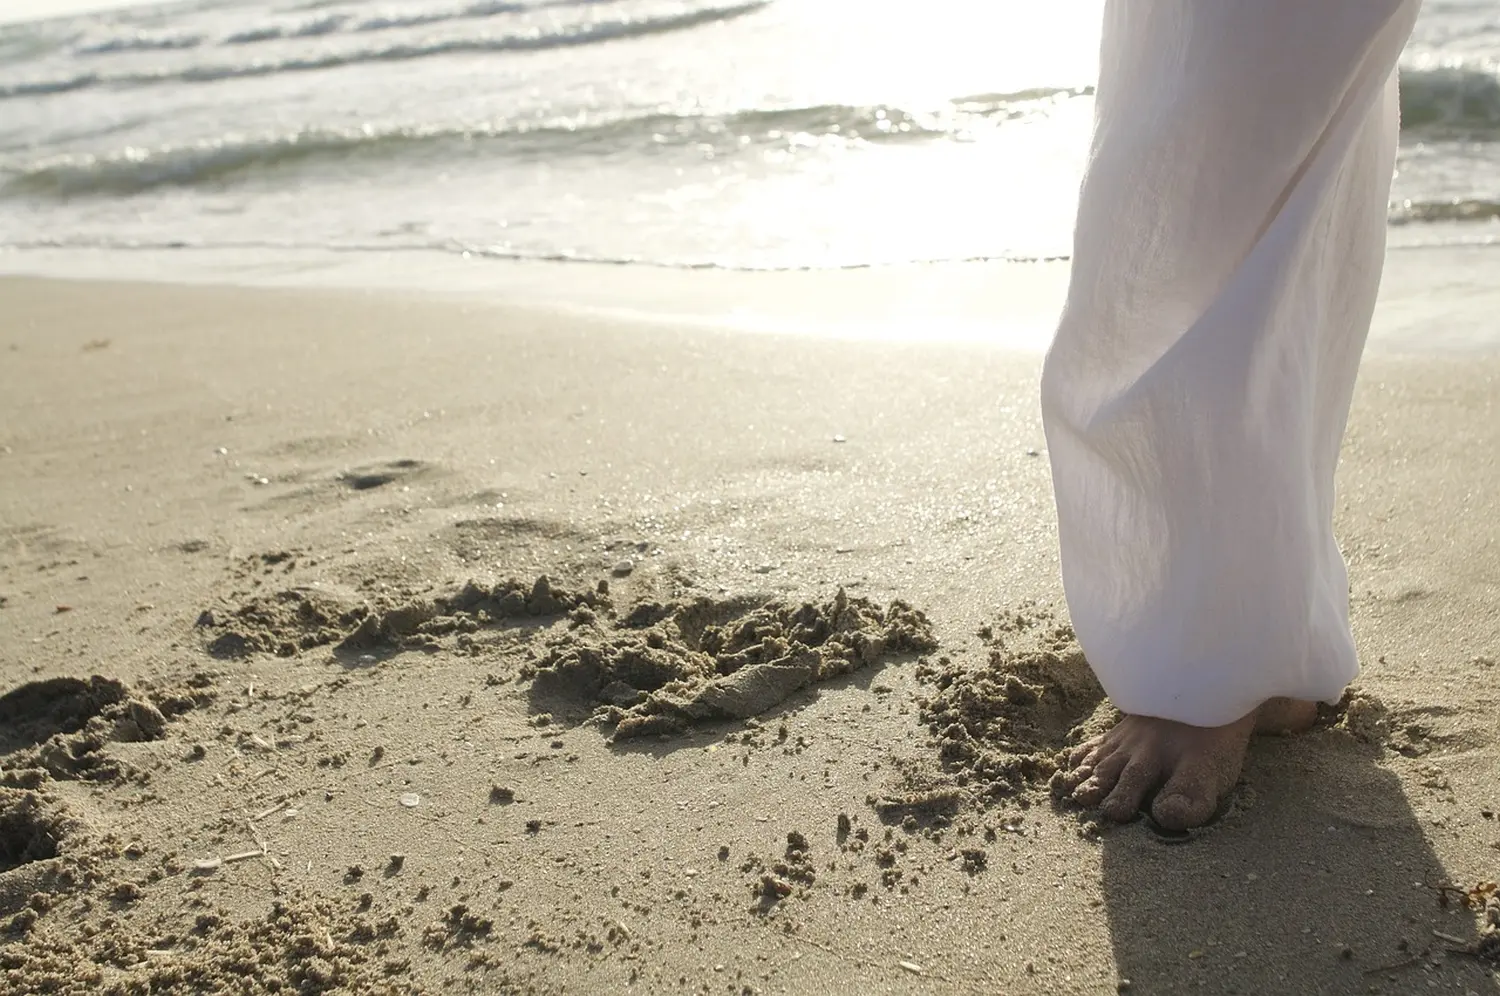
411,800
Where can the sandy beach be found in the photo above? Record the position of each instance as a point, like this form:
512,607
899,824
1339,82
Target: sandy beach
452,640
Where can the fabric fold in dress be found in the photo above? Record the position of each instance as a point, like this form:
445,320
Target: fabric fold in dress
1227,255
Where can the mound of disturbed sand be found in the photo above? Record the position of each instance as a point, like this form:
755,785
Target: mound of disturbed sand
656,669
420,623
61,727
302,945
665,667
288,622
1003,726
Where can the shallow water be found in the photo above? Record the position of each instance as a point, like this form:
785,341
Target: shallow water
685,133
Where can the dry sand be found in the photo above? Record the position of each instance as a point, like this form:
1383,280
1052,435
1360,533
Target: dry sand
379,642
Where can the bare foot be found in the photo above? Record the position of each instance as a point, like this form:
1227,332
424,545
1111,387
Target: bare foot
1190,768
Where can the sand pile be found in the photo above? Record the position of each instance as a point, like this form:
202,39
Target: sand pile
303,945
1406,730
421,623
1003,726
294,620
662,668
655,669
283,623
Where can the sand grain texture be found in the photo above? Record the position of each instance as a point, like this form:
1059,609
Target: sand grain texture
589,657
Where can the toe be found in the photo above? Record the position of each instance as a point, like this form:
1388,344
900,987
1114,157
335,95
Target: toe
1102,780
1138,777
1099,751
1189,798
1082,751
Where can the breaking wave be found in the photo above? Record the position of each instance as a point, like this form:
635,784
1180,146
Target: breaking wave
593,32
1450,102
135,170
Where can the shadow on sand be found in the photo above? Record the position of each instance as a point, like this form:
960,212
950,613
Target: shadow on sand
1322,883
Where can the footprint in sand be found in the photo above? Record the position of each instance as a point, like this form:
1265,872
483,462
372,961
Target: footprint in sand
34,834
61,726
379,475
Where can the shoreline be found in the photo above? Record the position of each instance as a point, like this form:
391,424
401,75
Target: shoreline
1434,298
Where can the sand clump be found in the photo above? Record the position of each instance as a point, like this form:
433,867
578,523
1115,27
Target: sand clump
458,927
1003,727
919,799
294,620
420,623
663,668
303,944
283,623
793,873
1406,730
1359,714
658,668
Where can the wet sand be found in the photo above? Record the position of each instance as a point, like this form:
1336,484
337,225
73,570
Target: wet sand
366,641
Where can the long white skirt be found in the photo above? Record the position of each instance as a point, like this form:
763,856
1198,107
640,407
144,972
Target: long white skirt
1228,251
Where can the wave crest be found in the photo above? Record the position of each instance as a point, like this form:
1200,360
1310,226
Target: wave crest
315,28
594,32
1458,209
141,42
1450,101
136,170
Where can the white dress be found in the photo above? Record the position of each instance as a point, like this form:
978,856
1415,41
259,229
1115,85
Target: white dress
1228,250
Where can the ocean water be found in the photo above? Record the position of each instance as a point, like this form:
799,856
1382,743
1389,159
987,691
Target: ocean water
753,134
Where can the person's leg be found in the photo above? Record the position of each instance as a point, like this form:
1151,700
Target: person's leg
1227,255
